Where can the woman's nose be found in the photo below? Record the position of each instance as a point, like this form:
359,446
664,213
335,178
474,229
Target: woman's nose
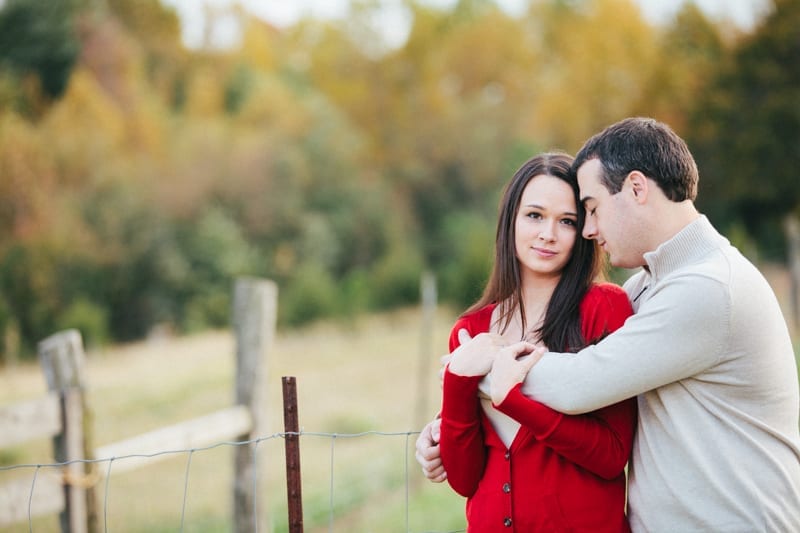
547,233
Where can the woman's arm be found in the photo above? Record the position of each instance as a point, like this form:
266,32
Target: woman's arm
667,340
600,441
461,442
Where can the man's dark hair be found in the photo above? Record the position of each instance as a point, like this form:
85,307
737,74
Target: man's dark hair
646,145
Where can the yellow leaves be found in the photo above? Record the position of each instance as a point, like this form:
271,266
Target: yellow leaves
88,108
271,104
598,61
26,178
85,128
204,93
258,45
489,53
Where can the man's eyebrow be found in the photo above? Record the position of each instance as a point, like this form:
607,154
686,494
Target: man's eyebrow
586,199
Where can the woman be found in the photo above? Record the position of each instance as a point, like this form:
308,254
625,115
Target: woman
523,466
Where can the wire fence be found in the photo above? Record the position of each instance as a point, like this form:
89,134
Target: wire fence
79,472
108,465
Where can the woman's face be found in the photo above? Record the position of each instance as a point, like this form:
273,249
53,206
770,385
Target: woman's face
546,227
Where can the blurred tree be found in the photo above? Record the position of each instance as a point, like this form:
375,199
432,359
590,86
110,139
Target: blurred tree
691,51
27,181
340,168
38,37
88,108
138,269
155,27
597,57
452,116
747,136
746,130
205,93
216,252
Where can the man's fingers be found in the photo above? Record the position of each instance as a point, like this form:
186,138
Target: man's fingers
531,360
437,476
522,348
436,429
428,461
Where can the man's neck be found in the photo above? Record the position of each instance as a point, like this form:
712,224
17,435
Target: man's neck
671,219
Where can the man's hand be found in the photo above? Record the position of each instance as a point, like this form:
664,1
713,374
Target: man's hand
428,455
510,367
444,360
475,355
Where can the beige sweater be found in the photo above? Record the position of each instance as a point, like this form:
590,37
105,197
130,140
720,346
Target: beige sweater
709,356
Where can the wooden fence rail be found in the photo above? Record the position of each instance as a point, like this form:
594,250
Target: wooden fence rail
64,416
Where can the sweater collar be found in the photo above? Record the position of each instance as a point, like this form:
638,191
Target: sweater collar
687,247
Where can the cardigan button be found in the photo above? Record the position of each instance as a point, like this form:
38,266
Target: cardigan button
506,487
508,455
507,522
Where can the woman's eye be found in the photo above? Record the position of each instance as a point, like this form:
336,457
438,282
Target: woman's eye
569,222
534,215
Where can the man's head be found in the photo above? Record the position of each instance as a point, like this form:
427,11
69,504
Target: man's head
648,146
637,182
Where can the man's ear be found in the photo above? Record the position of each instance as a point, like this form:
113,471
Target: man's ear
638,186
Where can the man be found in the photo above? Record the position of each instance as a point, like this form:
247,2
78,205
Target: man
707,351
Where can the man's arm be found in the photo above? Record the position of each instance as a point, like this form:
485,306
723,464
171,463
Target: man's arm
666,341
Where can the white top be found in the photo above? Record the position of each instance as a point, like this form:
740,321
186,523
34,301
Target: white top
709,355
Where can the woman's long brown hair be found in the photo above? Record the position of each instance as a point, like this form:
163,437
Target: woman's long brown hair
561,328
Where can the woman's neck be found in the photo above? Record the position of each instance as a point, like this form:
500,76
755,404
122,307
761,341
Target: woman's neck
536,294
535,298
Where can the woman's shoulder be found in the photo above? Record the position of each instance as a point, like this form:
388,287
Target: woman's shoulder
474,322
606,290
603,310
606,295
478,319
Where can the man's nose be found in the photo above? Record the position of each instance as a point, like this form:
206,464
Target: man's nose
589,228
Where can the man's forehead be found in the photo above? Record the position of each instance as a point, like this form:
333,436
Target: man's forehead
590,168
589,175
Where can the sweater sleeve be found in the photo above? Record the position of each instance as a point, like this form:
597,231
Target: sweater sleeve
461,442
600,441
670,338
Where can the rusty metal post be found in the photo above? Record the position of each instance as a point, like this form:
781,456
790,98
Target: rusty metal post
293,480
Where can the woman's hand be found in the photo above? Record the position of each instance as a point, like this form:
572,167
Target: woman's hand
474,356
510,366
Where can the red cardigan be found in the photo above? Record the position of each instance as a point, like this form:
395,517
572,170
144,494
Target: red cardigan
562,473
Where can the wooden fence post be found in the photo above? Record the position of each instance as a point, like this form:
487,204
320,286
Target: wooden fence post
63,362
255,305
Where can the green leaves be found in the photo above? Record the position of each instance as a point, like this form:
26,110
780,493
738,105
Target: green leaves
39,37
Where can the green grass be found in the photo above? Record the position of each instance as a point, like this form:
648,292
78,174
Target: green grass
350,379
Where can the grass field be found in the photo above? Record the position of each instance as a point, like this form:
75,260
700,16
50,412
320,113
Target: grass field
351,378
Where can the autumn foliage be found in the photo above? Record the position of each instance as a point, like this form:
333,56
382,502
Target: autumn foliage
138,178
